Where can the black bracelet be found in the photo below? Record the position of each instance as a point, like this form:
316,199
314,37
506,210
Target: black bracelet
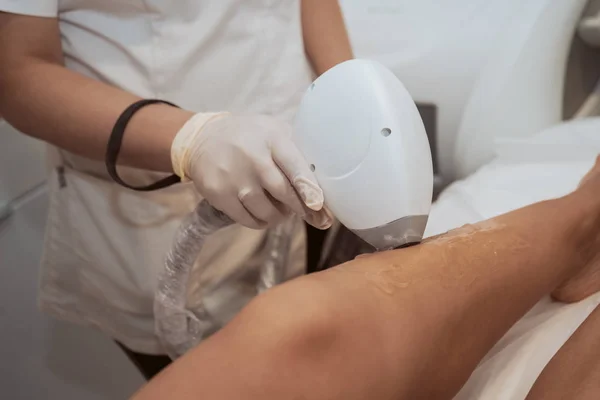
114,147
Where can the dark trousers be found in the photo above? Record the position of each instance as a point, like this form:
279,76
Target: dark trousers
149,365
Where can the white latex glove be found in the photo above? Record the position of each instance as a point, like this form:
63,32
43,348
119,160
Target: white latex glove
249,168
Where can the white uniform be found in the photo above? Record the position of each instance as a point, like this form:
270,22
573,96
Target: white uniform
105,244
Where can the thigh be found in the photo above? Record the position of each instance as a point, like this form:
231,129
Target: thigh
511,367
574,372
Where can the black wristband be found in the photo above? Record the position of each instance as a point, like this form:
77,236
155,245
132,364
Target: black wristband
114,147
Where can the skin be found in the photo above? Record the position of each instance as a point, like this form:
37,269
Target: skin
33,80
325,36
405,324
574,372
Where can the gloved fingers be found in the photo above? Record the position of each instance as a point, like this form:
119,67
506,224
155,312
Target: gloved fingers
293,164
277,185
322,219
256,202
237,212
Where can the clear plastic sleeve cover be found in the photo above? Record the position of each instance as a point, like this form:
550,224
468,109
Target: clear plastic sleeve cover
180,328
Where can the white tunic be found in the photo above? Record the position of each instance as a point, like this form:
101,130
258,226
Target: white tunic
104,244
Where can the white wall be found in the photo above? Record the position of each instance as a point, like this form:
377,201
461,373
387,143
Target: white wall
41,358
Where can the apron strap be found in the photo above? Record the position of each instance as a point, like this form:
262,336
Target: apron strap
114,147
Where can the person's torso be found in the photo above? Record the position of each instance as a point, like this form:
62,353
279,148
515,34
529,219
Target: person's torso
104,243
241,56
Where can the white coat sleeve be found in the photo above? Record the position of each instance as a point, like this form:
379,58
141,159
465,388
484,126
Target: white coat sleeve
37,8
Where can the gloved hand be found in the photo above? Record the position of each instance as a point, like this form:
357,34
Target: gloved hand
249,168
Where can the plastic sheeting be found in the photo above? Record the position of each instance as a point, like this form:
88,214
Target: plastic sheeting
547,165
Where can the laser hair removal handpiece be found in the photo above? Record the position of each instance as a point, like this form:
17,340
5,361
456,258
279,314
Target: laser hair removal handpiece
363,136
360,129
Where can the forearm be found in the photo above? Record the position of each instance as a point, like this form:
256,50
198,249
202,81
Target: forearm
325,37
411,323
42,98
76,113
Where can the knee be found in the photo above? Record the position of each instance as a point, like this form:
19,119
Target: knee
308,337
297,325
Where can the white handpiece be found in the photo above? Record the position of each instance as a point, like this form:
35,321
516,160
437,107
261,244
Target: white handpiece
361,132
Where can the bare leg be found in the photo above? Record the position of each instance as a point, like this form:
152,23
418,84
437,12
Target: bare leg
585,282
574,372
406,324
